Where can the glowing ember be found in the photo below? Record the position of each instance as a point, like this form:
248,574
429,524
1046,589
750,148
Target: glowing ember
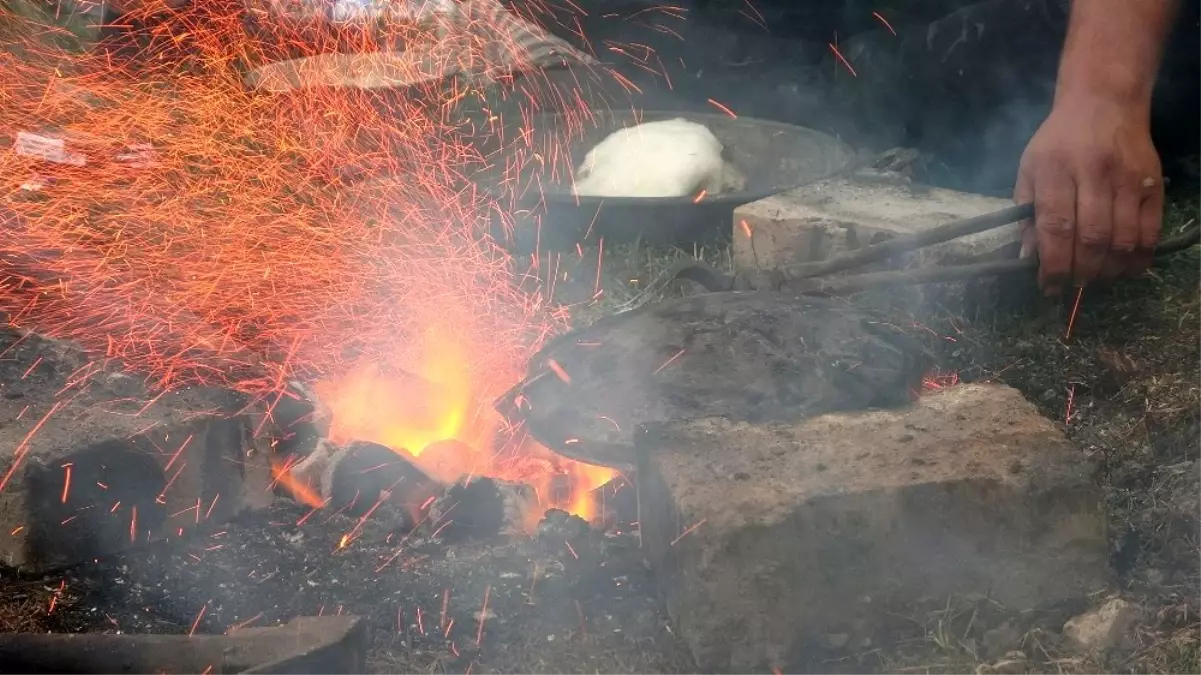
937,379
170,219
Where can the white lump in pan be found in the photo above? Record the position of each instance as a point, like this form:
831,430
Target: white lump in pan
670,158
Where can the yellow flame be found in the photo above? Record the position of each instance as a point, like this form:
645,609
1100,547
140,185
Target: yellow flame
442,403
404,412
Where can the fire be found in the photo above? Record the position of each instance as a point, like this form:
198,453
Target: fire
587,478
437,415
408,412
300,491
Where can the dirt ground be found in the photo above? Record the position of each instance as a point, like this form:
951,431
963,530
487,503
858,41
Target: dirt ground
1124,384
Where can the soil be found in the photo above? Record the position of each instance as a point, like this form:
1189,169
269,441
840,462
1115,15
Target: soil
1124,384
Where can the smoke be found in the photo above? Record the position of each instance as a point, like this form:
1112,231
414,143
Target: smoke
965,81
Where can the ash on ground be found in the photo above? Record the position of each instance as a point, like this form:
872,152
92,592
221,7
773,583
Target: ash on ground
582,603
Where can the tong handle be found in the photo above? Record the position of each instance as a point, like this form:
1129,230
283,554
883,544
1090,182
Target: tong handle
887,249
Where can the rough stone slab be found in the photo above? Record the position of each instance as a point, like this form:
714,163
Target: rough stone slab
823,219
307,644
181,461
767,538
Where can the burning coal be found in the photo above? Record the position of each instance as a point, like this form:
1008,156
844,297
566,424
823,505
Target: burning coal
401,439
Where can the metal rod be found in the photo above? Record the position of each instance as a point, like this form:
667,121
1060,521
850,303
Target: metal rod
892,247
929,275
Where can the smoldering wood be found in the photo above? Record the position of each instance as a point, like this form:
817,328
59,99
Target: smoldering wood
354,478
480,508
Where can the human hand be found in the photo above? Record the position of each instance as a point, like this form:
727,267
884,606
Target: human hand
1096,182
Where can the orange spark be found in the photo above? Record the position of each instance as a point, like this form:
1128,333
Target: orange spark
722,108
66,483
558,371
23,447
31,367
687,531
479,633
244,623
669,361
177,453
192,630
1067,335
881,19
843,59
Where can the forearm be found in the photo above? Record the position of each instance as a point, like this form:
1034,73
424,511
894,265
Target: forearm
1113,49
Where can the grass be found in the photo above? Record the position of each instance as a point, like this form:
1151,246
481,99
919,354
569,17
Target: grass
626,273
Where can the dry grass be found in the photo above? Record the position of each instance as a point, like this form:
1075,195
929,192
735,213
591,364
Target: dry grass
569,653
25,605
626,272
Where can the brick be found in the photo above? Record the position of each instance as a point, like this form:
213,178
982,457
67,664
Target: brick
183,460
823,219
768,538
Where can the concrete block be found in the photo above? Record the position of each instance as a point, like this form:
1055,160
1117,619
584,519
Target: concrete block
817,221
768,538
90,462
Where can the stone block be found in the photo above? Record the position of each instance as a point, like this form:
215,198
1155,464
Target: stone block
817,221
306,644
91,462
768,538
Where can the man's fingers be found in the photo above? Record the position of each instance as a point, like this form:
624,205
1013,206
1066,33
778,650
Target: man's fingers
1094,229
1055,223
1023,193
1150,223
1125,240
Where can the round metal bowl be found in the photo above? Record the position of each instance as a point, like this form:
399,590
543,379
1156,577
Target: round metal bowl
773,156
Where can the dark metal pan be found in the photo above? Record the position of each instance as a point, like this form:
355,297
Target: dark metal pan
773,156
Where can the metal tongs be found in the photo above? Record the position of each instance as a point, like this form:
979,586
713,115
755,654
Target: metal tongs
816,278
